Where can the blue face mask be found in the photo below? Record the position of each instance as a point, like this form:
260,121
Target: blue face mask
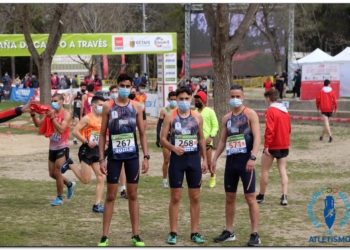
172,103
184,105
99,110
114,96
142,90
234,102
124,92
55,105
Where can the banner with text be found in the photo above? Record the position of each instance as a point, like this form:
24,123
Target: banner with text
93,44
313,76
170,68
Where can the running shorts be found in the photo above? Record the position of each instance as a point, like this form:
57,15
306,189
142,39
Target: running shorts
279,153
132,170
56,154
88,155
189,163
76,113
328,114
232,174
144,115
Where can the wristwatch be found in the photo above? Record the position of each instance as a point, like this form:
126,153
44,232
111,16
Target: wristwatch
87,142
252,157
146,157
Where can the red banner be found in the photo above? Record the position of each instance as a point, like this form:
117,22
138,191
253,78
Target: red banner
310,89
105,66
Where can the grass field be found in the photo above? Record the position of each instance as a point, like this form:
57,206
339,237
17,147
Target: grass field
27,219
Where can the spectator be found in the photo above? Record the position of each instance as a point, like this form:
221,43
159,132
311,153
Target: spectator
67,81
17,81
279,85
294,81
285,81
268,84
1,91
5,79
53,82
97,83
34,83
62,84
190,85
298,83
144,79
57,79
75,82
23,83
137,81
28,79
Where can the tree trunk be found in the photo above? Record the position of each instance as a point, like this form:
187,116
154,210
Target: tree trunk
13,68
31,66
98,65
278,66
44,79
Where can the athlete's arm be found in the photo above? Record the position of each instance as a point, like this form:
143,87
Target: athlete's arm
83,123
62,127
255,128
159,125
269,131
214,125
83,98
102,139
71,100
222,142
37,122
164,135
143,137
202,143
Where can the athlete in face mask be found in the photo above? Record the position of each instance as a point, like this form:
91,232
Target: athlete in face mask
210,128
240,138
186,129
88,132
59,145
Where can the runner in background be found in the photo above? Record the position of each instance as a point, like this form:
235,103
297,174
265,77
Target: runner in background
141,98
77,98
166,153
86,101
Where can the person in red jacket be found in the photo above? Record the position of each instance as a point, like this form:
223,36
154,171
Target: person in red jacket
277,141
14,112
268,84
326,102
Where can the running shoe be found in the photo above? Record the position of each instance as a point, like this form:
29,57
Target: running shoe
284,200
260,198
196,237
137,241
212,182
225,236
97,208
71,190
65,165
254,240
123,194
165,185
56,202
103,243
75,142
330,139
172,239
321,138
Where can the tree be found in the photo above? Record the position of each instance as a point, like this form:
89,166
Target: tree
53,18
223,47
272,24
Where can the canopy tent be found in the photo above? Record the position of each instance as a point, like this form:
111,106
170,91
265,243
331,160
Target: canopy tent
343,59
317,56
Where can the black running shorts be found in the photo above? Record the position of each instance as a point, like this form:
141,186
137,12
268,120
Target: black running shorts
189,163
279,153
56,154
232,174
76,113
144,115
328,114
132,170
88,155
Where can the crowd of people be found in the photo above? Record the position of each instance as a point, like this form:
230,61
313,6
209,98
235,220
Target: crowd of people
109,147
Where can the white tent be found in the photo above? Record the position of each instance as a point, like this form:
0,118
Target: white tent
343,59
317,56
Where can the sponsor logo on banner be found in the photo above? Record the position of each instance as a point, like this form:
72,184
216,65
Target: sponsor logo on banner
170,73
132,42
160,42
170,79
118,43
169,60
170,66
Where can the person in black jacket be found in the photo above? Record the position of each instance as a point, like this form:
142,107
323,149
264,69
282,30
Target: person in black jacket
34,83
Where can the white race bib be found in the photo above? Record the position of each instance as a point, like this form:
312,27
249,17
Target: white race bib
95,136
123,143
187,142
56,137
142,105
235,144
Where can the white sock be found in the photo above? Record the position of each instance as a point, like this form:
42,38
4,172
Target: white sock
165,181
75,139
122,188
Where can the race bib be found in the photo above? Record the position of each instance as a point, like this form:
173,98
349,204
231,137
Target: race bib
89,100
95,136
78,105
187,142
235,144
123,143
56,137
